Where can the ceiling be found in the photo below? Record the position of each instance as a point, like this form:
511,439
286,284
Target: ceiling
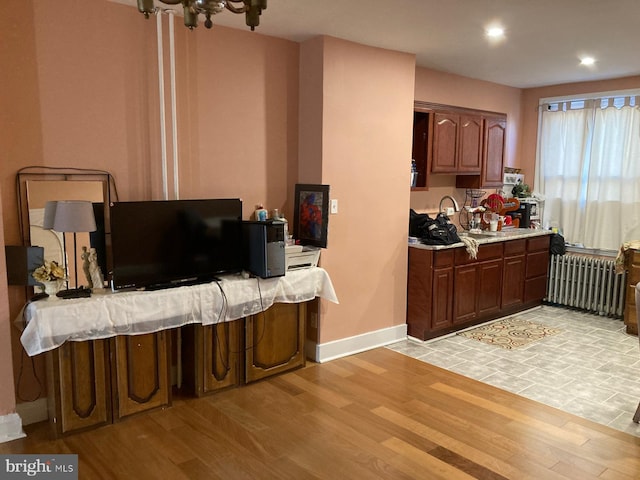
543,44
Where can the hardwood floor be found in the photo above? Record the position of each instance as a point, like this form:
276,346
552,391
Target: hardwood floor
378,414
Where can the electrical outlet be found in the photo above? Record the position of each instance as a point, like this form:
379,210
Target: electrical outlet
450,211
334,206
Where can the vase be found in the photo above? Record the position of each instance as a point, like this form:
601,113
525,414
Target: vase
52,287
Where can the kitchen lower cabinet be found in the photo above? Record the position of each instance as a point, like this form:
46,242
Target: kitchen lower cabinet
466,297
79,395
274,340
140,372
535,287
212,357
448,291
513,276
442,295
477,283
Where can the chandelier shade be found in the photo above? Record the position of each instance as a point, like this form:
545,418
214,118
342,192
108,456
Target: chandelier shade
193,8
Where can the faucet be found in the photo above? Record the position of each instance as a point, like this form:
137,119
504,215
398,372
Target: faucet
453,200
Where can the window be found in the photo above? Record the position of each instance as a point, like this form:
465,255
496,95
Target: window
588,168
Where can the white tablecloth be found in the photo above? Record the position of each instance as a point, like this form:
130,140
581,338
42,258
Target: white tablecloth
51,322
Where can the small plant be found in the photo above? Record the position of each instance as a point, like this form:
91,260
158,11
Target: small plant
48,272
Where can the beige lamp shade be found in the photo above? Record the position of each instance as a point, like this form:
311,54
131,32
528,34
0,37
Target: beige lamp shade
49,215
74,216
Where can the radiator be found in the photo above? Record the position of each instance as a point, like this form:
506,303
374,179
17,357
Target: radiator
586,283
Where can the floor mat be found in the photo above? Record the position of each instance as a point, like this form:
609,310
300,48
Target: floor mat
510,333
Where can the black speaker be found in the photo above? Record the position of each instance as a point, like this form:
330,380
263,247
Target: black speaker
21,262
264,248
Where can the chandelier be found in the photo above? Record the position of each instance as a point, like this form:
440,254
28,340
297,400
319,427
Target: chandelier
192,8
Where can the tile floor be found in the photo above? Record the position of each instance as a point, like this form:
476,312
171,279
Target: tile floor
590,369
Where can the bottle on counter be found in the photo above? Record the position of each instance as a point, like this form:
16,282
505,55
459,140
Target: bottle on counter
414,173
261,213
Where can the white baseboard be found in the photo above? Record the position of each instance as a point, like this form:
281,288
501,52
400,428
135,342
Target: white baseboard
10,427
33,412
325,352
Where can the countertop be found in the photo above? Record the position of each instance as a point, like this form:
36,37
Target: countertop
489,237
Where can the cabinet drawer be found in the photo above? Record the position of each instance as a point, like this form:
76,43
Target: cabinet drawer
514,247
538,264
487,251
538,243
444,258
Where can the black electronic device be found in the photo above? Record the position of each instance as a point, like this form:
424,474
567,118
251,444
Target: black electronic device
80,292
264,248
21,263
39,296
525,211
165,243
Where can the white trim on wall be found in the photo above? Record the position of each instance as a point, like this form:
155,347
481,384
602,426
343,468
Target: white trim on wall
325,352
10,427
33,412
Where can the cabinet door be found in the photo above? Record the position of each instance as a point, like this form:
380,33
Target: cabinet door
493,161
78,381
419,292
442,299
211,359
274,340
141,372
470,144
489,287
445,142
220,355
513,281
466,293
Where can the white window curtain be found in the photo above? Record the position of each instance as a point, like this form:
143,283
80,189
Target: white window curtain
588,169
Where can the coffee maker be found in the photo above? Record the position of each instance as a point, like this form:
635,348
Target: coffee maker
529,212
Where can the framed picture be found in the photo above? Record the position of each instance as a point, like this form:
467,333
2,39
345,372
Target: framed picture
311,214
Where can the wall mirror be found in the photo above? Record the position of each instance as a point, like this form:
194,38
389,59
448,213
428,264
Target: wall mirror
38,185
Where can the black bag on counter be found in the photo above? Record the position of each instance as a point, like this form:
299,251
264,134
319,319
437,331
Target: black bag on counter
430,231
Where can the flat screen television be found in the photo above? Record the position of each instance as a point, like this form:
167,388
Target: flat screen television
158,244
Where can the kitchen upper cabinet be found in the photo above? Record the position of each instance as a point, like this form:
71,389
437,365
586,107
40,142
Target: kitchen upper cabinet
470,144
445,142
422,127
457,143
493,158
492,164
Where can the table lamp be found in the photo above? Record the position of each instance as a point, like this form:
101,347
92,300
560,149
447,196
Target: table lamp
73,216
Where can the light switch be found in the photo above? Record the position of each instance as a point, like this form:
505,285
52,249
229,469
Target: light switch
334,206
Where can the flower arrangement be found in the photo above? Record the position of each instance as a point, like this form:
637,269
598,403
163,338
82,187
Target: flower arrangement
50,271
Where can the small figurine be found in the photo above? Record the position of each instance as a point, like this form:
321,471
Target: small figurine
97,280
85,265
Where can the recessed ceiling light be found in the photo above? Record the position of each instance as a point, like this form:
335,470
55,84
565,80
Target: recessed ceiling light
495,32
587,61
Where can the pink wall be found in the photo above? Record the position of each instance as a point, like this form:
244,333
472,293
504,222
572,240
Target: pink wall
80,90
366,114
531,98
7,397
20,144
